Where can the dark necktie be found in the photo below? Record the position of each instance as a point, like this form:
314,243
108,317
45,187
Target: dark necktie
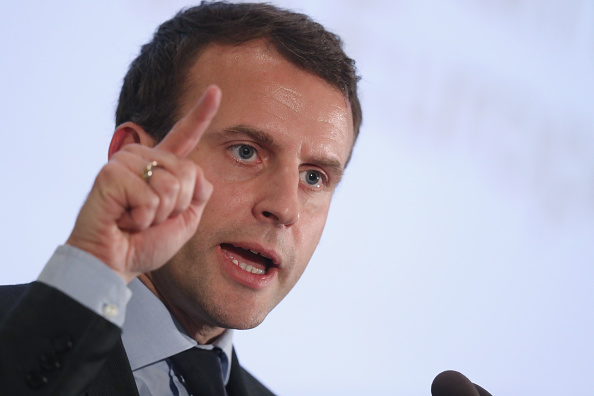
201,370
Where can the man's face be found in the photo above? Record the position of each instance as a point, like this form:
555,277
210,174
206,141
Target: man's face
274,154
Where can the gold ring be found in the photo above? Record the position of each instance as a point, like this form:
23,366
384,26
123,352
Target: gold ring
147,172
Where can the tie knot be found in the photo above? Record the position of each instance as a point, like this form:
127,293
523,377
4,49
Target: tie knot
201,371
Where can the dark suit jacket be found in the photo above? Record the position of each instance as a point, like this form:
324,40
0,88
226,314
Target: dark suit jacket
52,345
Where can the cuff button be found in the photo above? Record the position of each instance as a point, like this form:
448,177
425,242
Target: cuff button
110,311
35,380
49,363
62,343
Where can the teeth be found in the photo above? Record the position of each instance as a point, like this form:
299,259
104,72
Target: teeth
255,252
248,268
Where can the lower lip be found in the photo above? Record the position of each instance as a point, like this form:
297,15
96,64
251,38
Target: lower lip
248,279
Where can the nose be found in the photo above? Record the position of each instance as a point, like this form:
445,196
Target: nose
278,201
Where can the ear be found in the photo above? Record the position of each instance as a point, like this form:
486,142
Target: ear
129,133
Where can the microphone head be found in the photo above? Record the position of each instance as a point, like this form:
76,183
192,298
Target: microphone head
482,391
453,383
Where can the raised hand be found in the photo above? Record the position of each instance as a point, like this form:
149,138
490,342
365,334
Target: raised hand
134,224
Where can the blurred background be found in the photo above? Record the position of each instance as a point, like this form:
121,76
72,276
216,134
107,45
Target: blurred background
462,235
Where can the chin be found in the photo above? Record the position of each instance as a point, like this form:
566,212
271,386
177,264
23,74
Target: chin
230,319
231,307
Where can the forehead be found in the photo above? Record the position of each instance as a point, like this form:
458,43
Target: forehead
264,90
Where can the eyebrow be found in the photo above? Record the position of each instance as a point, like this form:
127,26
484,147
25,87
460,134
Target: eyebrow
333,165
256,134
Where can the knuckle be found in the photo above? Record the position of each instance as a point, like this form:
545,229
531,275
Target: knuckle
108,173
172,187
150,202
131,148
125,156
199,173
141,218
168,186
187,170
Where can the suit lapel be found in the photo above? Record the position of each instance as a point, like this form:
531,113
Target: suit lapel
236,385
242,383
115,378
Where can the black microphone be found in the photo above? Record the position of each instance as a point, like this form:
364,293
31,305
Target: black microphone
453,383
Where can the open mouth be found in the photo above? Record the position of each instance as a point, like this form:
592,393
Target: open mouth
247,259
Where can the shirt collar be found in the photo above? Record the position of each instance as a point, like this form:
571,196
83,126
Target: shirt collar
151,333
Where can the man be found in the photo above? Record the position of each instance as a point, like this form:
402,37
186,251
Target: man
234,127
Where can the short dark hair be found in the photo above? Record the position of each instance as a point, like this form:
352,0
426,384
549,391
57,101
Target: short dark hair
154,82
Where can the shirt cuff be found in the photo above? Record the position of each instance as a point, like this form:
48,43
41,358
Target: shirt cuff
87,280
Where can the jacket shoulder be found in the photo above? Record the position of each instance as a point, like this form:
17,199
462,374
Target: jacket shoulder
254,385
9,295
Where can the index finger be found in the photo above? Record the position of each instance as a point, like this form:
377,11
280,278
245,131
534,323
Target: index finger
186,133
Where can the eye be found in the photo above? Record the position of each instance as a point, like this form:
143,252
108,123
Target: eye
244,152
312,178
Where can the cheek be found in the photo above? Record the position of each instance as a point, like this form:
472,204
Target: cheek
315,209
311,227
307,241
230,189
229,203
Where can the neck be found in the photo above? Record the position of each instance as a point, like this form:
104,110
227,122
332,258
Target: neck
198,330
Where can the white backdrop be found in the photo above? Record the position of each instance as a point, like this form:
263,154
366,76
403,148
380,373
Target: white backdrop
462,237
